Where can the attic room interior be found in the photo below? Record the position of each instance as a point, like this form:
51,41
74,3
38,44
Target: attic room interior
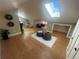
39,29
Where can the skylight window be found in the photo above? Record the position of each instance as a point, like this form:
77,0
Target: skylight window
53,8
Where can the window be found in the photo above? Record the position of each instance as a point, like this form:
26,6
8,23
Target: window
53,8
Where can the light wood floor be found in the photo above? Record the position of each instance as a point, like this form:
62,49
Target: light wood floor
25,47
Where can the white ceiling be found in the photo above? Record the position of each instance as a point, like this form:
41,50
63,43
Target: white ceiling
34,9
10,4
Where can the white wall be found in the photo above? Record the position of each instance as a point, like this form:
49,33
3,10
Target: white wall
63,29
3,21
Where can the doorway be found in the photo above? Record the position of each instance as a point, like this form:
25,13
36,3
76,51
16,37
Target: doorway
65,28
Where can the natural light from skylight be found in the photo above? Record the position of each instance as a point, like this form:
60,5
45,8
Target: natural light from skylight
53,8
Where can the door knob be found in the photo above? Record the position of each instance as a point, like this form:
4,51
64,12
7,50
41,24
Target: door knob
75,49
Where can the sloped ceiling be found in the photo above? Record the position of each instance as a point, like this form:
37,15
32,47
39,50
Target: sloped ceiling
35,10
10,4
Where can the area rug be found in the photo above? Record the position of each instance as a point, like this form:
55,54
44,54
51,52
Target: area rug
48,43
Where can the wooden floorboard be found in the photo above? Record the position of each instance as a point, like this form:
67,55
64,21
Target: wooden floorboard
25,47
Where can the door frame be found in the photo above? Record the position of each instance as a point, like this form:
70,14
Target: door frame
60,24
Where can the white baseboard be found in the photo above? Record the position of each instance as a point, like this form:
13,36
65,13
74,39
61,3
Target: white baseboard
66,58
66,54
14,34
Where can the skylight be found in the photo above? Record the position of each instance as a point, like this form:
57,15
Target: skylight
53,8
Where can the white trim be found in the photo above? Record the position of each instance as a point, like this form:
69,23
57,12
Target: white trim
66,54
14,34
62,25
69,31
52,28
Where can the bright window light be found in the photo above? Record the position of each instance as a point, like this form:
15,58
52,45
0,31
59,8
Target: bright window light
20,15
53,9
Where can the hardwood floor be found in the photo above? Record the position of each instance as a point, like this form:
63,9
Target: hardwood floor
25,47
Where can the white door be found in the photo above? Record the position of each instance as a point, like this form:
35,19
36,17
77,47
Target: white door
73,35
77,55
73,40
74,50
